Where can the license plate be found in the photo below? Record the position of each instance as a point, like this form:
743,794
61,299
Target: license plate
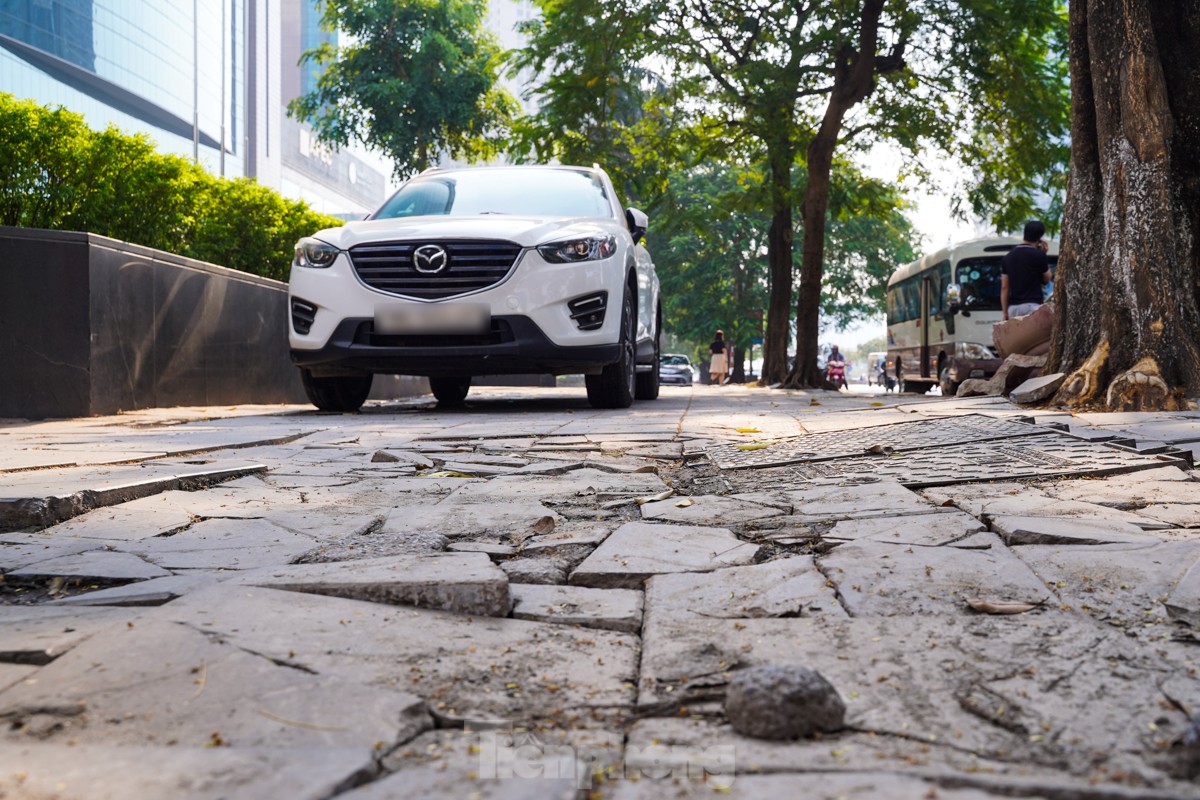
444,319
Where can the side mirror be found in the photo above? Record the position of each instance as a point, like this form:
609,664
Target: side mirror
638,222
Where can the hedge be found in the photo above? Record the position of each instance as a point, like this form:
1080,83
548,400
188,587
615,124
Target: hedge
55,172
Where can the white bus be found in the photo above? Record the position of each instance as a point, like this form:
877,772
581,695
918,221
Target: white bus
929,345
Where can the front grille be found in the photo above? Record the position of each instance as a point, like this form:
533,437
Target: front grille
500,333
470,266
303,315
588,311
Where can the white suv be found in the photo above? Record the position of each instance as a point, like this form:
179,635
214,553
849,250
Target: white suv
480,271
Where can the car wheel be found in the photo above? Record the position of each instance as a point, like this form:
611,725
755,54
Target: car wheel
614,386
949,387
450,391
340,393
647,382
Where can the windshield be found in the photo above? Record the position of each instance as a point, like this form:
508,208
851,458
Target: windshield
681,361
522,192
980,281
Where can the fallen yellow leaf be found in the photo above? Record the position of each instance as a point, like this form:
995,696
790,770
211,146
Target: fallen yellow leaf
755,446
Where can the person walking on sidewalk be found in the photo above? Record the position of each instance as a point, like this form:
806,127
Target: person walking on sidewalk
719,363
1023,272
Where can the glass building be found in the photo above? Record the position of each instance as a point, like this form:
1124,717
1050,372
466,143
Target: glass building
205,79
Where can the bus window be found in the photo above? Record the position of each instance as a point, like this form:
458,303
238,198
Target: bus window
939,278
980,281
912,298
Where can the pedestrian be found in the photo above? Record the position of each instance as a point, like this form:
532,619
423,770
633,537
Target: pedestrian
1023,272
719,364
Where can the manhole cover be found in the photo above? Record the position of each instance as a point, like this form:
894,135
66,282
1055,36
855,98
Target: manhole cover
1051,454
900,437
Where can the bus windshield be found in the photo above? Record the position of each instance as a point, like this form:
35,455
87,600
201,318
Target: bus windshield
980,281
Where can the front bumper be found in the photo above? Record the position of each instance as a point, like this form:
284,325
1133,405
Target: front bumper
674,379
515,345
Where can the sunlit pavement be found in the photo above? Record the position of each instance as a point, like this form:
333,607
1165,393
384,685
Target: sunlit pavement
528,597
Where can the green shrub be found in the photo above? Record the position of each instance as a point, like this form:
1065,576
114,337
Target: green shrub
57,173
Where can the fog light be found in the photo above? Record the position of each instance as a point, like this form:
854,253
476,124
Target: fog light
588,311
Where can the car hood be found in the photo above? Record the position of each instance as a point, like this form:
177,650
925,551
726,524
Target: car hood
525,231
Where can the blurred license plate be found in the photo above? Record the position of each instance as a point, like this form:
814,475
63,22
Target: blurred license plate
450,318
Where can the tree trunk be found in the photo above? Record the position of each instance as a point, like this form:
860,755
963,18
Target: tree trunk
1128,278
781,154
854,79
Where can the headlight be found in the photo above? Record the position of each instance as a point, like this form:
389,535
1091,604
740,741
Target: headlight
973,350
312,252
594,248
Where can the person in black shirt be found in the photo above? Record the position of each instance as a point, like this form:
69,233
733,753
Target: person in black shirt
720,362
1023,272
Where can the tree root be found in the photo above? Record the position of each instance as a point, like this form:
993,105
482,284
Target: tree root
1141,388
1082,386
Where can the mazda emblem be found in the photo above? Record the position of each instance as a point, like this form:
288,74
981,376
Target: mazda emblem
430,259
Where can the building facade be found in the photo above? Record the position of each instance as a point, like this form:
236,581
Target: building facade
205,79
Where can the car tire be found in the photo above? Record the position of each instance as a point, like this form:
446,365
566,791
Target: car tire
339,393
614,386
949,387
450,391
646,383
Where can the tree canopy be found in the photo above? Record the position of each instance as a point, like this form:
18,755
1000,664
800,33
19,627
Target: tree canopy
415,79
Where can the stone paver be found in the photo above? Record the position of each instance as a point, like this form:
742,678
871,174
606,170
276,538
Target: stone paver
638,550
274,602
610,609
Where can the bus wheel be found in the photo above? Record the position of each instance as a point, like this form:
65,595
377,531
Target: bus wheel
949,387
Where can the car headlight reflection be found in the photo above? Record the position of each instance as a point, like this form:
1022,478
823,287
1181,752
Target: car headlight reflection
314,253
973,351
593,248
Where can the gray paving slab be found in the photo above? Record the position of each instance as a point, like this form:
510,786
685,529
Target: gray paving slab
707,510
1043,687
40,634
222,544
106,772
11,674
1178,515
1065,530
454,518
154,681
639,550
610,609
784,587
464,583
1127,494
477,667
927,530
38,500
104,565
546,571
583,483
884,579
1123,585
25,549
1036,504
153,592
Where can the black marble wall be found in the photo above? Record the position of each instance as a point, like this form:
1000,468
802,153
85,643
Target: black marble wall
90,325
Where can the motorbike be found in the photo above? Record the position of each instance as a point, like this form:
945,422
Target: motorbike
836,372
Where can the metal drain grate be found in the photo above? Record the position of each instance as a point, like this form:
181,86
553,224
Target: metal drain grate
900,437
1051,454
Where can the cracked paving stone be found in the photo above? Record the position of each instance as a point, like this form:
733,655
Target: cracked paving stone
589,483
101,565
839,783
459,519
464,583
153,681
1049,694
639,550
707,510
1128,495
830,502
475,667
1065,530
882,579
1180,515
21,550
153,592
927,530
102,772
40,634
222,544
1183,604
1036,505
1120,584
785,587
610,609
128,521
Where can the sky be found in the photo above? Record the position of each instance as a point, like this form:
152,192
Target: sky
932,218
